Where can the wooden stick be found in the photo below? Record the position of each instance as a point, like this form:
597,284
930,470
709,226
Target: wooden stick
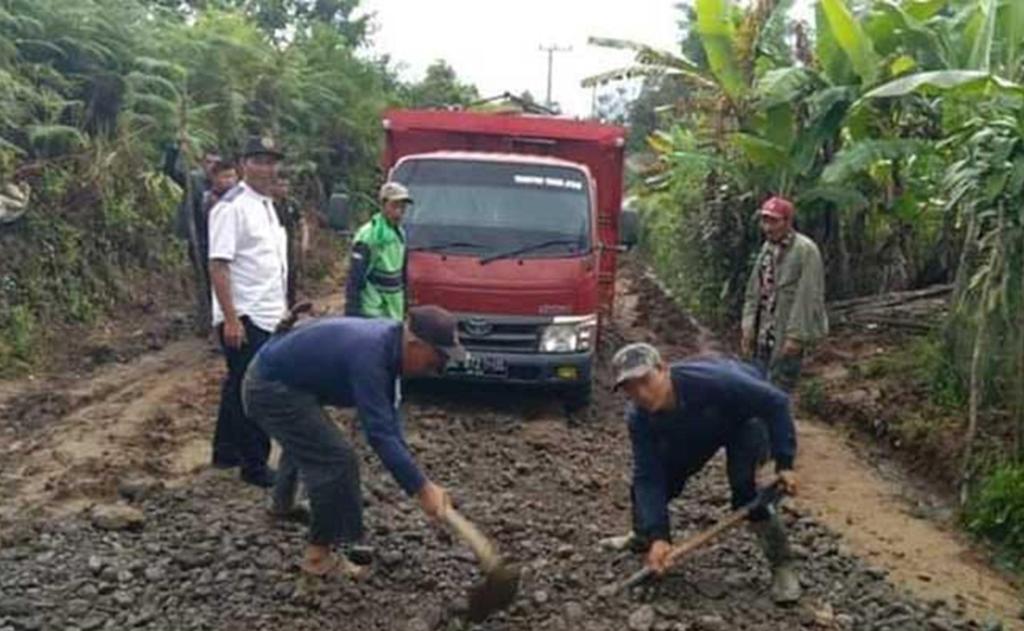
766,496
889,299
482,547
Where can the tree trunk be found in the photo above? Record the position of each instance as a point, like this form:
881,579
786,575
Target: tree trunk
1019,451
967,255
973,405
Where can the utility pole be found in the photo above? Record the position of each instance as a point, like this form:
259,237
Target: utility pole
551,50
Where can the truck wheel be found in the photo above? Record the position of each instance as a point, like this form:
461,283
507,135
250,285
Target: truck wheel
577,400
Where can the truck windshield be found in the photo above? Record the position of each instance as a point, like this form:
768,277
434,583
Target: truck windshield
496,207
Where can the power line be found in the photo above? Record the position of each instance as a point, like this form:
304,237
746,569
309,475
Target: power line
551,50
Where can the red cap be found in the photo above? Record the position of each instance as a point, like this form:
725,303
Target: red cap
778,207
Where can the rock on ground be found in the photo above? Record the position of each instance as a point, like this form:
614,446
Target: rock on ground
117,517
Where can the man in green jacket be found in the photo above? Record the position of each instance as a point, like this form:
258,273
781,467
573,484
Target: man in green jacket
376,276
784,310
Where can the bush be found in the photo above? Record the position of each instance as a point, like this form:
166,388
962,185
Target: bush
997,510
93,93
691,215
926,363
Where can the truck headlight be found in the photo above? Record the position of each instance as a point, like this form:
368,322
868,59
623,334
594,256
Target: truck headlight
569,334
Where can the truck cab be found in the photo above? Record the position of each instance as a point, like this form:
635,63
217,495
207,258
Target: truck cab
514,228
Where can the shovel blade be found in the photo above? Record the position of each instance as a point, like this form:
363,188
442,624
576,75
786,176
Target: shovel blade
497,591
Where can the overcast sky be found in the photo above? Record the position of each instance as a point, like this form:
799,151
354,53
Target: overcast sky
495,45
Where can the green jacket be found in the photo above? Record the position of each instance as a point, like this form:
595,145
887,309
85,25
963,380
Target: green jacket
376,277
800,295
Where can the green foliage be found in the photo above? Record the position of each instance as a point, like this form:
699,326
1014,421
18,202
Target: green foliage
441,88
981,50
783,86
685,229
899,130
997,510
50,141
831,59
847,32
965,83
93,91
19,330
812,396
714,23
925,363
863,156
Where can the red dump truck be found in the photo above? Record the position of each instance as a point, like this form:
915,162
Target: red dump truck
516,229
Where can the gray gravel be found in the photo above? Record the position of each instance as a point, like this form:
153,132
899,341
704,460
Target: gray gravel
205,557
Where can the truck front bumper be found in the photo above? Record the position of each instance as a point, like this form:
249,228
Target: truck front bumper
543,369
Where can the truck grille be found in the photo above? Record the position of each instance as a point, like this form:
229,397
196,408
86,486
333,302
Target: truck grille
500,335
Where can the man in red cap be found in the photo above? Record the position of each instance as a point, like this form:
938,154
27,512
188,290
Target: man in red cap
784,309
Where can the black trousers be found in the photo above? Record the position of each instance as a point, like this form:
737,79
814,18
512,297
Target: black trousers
237,439
746,450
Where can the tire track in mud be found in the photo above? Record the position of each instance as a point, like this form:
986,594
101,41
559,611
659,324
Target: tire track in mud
69,441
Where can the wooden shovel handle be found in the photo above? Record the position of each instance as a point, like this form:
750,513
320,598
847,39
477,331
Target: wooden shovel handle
482,547
766,496
727,523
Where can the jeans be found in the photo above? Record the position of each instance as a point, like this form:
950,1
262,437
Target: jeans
314,449
236,439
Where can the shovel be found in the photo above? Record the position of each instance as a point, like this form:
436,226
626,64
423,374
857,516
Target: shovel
767,495
501,581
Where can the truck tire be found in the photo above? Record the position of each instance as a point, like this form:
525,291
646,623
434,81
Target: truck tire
577,399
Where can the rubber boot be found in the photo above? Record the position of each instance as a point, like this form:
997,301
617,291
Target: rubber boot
773,539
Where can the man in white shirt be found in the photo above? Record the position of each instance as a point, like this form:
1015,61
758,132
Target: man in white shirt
249,275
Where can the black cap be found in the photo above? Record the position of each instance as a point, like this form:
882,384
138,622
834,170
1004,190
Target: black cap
439,328
262,145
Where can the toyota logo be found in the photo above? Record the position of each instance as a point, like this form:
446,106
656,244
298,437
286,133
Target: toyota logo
478,327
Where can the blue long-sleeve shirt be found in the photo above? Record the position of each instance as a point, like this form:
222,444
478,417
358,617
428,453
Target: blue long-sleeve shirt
350,362
713,398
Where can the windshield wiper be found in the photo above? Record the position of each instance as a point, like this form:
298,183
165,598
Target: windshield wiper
528,248
436,247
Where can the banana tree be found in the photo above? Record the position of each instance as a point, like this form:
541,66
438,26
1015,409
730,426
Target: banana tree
983,186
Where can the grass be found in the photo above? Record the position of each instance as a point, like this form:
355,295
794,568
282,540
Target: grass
72,258
925,362
996,512
812,396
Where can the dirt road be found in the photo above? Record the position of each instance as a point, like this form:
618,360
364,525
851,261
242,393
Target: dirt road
206,558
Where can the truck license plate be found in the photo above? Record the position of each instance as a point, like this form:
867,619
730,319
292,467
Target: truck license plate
483,366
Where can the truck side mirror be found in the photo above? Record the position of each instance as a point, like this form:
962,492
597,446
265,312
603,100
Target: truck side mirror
629,227
338,212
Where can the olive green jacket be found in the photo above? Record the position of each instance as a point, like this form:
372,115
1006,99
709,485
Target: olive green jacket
800,301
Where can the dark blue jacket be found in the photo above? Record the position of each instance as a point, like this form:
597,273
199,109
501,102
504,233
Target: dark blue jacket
350,362
714,397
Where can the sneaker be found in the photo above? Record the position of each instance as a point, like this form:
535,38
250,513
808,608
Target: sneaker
618,543
263,478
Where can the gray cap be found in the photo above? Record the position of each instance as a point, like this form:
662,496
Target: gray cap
633,361
394,192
